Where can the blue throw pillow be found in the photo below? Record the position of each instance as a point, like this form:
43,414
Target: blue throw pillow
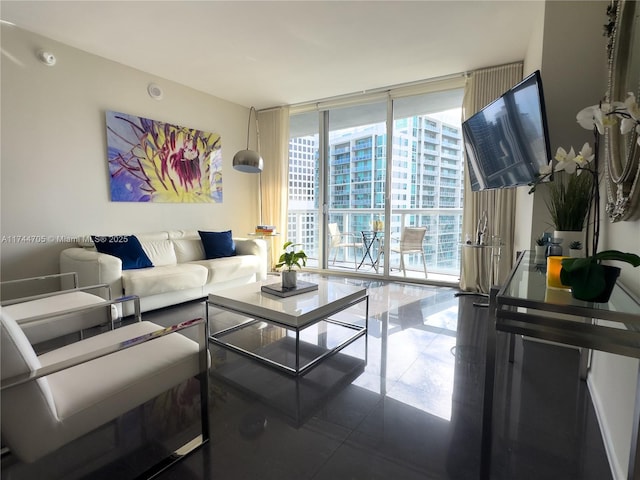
126,247
218,244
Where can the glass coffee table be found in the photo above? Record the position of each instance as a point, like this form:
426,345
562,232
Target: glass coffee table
292,334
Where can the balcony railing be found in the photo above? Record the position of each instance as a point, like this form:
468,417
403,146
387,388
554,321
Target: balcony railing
441,243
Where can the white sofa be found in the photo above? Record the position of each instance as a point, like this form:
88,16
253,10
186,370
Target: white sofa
180,270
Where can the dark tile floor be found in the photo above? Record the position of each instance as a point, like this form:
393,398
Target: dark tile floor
412,412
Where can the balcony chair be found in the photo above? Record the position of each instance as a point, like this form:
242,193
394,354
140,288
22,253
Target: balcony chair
410,242
53,314
343,240
50,400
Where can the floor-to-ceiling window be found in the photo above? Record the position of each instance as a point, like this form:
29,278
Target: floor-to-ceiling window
356,165
352,193
304,218
427,185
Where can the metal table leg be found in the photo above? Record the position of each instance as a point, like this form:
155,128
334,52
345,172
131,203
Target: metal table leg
489,382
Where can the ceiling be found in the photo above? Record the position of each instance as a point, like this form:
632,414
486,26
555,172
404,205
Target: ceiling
268,53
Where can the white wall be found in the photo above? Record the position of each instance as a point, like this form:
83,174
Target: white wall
54,173
574,74
613,378
524,234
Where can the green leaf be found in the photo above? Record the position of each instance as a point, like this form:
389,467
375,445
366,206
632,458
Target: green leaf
571,264
290,257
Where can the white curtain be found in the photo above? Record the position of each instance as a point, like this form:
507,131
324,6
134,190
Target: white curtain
482,87
273,138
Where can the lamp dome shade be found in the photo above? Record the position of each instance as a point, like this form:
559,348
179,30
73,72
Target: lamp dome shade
248,161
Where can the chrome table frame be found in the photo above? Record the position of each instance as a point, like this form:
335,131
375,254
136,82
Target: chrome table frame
294,313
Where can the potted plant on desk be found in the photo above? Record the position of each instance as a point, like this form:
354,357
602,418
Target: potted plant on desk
291,259
571,192
541,249
575,249
589,279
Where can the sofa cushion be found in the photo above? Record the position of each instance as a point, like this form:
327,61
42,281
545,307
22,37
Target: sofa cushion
188,249
218,244
229,268
95,392
126,247
167,278
160,252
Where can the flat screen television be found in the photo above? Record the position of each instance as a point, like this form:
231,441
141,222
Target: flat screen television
507,142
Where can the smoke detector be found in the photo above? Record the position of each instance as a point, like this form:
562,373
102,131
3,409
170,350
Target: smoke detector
155,91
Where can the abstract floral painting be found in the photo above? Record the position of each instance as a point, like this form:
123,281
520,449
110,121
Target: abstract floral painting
152,161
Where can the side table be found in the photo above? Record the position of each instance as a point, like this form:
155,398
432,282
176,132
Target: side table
369,238
493,249
268,237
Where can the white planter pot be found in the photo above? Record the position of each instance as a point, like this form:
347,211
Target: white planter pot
541,253
289,279
568,237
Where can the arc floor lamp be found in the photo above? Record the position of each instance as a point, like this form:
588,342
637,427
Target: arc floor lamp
250,161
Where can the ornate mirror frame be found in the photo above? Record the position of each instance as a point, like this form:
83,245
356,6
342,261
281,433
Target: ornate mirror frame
622,152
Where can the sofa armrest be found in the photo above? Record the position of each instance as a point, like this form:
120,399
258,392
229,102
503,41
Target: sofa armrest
71,312
11,290
88,308
106,294
93,268
108,350
254,246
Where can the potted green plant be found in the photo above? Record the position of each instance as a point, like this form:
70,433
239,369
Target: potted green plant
568,202
541,248
589,279
571,192
290,258
575,249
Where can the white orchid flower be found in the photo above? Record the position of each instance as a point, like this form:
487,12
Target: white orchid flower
599,116
545,170
627,125
561,154
587,117
629,112
605,116
566,161
586,152
581,164
632,106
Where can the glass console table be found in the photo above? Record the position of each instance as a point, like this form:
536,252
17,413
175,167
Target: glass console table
525,306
